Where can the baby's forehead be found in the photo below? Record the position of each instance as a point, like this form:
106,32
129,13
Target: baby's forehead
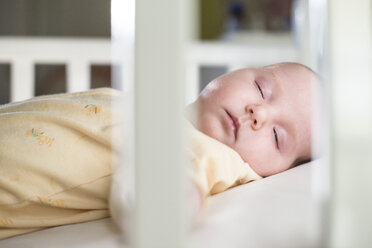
292,75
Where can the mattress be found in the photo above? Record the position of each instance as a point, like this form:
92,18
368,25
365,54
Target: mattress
277,211
93,234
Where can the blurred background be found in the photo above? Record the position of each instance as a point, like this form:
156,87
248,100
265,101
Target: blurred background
51,20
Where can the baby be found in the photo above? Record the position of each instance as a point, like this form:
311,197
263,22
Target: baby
264,114
253,123
56,152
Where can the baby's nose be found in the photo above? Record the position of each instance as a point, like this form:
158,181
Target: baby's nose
257,115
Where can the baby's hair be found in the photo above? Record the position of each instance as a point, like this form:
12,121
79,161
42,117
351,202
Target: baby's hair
302,160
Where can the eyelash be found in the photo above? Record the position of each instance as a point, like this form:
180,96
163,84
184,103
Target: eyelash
276,138
259,88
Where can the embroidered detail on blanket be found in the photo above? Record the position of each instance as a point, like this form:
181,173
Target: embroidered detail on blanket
92,108
40,137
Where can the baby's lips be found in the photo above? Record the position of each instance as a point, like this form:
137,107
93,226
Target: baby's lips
232,122
236,122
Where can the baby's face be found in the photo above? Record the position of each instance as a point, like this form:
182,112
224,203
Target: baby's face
262,113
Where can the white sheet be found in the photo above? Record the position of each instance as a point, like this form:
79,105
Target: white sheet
94,234
277,211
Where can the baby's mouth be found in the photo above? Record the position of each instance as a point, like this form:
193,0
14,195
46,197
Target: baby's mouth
234,122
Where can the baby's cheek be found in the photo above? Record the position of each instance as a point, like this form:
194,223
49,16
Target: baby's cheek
210,126
257,154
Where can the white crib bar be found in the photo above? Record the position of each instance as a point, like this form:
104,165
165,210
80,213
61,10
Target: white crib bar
192,82
350,47
22,75
159,217
78,76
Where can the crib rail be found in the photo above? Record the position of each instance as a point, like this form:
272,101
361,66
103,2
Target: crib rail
22,53
77,54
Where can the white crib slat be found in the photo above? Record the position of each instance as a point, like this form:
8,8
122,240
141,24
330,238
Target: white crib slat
78,76
22,80
350,56
159,218
192,82
235,66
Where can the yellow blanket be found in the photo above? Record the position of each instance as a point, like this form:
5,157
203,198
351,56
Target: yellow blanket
55,160
57,157
213,166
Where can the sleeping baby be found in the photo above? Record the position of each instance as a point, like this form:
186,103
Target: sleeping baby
58,153
264,115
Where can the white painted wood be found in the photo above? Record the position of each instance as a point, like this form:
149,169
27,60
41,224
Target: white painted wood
159,213
192,85
351,76
249,49
236,66
78,54
251,54
22,77
123,52
301,30
313,45
78,76
55,50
